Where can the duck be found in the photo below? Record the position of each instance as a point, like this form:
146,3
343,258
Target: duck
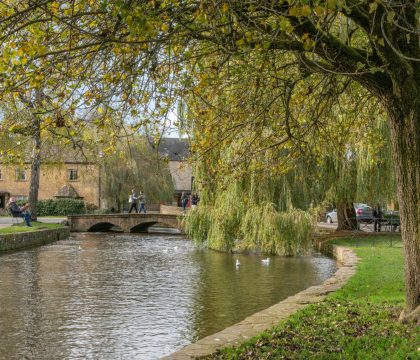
237,263
265,261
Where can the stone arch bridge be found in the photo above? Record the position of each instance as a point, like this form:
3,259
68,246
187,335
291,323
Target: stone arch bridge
128,223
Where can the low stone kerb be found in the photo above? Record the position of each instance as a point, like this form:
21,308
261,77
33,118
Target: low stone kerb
266,319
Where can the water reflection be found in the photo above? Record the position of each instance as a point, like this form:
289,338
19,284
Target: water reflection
134,296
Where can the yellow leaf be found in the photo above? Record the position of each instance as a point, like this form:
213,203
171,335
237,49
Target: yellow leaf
306,10
372,7
54,7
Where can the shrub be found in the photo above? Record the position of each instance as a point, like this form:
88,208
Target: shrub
91,208
61,207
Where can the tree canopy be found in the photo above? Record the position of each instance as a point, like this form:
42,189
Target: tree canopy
136,58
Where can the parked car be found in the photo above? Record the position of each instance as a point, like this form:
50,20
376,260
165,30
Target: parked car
331,217
364,213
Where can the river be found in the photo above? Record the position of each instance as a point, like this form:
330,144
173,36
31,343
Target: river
139,296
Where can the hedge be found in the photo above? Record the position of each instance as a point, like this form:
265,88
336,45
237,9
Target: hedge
61,207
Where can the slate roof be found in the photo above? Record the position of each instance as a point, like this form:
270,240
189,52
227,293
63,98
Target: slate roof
174,149
67,191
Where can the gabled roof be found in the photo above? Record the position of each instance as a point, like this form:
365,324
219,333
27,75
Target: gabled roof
67,191
174,149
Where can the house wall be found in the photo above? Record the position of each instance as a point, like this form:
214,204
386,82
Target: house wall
52,178
181,172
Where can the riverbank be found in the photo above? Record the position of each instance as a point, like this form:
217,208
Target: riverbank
21,227
359,321
19,236
266,319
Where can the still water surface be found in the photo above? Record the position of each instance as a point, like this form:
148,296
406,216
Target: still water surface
105,296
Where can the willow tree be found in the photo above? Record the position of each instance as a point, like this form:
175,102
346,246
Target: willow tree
135,165
119,46
375,44
324,130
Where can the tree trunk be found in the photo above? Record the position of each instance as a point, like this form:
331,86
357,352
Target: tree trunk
346,216
35,169
405,139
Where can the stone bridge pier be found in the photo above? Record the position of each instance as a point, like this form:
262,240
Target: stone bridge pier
128,223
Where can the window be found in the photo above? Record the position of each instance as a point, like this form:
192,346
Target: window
73,175
20,175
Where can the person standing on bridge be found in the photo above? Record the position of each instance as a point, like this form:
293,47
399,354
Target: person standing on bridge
184,200
142,199
132,200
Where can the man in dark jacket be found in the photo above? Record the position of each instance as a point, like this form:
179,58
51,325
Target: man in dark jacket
19,211
132,200
377,217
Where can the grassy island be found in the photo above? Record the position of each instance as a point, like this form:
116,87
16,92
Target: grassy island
360,321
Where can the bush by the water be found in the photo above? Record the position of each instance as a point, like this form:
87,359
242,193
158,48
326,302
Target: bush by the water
258,227
61,207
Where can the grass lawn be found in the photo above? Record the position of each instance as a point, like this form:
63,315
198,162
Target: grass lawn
357,322
15,228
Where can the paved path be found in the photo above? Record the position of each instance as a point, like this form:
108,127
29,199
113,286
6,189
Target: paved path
7,220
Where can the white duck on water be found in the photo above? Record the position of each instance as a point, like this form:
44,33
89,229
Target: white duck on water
266,261
237,263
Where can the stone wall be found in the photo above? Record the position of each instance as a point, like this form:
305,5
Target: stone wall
181,172
16,241
52,179
170,210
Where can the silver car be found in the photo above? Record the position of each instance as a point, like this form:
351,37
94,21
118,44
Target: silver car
364,213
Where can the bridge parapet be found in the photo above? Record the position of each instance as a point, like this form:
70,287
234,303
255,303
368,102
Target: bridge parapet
126,222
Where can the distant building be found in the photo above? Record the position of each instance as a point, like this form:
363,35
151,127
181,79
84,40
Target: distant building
77,179
176,152
71,175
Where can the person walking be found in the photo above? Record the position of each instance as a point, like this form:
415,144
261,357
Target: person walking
132,200
142,199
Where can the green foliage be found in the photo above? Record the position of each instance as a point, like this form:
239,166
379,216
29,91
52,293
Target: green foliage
296,229
260,228
285,233
198,223
237,221
359,321
137,166
61,207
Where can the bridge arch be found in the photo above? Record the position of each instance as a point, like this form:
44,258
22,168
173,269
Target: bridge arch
105,227
122,222
143,226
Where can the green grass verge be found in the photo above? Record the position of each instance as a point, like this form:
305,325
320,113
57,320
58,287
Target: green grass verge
360,321
15,228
